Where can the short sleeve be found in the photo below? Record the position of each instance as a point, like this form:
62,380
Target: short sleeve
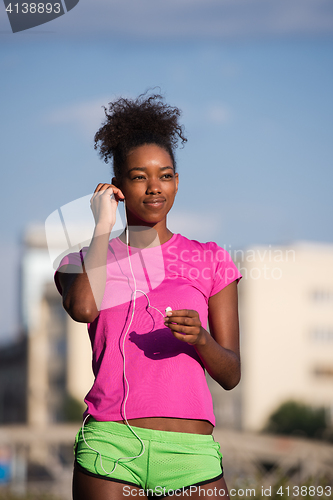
75,259
224,270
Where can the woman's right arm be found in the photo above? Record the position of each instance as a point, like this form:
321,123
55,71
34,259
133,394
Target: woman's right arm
82,292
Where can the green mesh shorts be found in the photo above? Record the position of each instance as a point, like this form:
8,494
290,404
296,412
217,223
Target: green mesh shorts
170,461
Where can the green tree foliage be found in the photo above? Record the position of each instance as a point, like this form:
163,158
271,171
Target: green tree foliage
298,419
73,409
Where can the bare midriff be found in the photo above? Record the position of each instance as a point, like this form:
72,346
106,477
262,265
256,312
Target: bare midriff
172,424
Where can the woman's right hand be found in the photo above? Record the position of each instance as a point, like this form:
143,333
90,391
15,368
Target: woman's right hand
104,205
83,292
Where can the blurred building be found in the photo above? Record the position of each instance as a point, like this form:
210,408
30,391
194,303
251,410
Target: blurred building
286,313
45,376
13,386
286,319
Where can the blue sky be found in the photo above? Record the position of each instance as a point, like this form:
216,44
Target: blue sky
254,80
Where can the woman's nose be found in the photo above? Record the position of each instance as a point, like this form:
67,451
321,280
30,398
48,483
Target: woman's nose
154,187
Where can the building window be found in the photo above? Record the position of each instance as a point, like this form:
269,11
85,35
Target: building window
323,371
322,296
322,334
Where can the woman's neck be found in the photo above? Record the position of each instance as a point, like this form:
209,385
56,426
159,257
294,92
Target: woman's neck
145,236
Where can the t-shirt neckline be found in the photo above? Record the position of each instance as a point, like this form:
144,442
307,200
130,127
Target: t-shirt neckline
163,245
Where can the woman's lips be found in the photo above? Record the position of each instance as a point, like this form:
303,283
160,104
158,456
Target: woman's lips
156,202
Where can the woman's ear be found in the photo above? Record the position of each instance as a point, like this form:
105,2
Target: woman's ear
177,181
115,182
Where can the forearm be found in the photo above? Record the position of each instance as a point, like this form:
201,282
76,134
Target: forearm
220,358
222,364
83,292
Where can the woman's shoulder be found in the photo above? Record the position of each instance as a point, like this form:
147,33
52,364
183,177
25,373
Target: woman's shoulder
189,250
199,245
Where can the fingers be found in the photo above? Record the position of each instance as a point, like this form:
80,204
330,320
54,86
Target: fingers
100,190
107,189
104,203
184,330
182,313
186,326
183,321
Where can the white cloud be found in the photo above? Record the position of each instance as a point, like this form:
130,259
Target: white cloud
85,116
199,19
218,114
88,116
191,19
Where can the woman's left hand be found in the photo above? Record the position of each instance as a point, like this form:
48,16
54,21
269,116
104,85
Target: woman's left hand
219,349
185,325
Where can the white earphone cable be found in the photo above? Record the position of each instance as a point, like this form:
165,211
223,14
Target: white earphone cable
124,367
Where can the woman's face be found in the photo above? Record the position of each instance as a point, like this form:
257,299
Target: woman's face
149,184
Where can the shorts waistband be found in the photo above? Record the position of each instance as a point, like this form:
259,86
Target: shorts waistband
148,434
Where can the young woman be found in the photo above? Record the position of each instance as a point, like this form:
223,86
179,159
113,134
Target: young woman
147,297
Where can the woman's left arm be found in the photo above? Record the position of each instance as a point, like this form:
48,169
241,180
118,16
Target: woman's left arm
219,350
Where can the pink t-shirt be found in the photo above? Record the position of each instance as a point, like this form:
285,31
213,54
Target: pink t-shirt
165,375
